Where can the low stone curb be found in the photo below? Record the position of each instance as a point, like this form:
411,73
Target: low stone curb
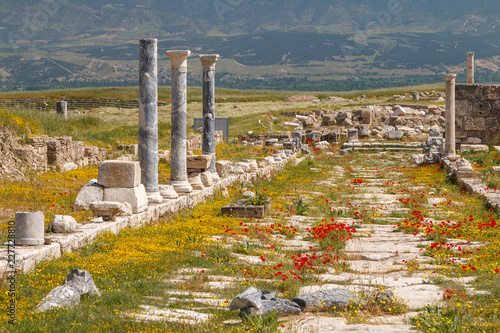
474,184
27,257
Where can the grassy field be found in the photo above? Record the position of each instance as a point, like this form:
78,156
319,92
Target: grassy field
222,95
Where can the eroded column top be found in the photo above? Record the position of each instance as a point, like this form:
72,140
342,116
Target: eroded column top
470,54
179,58
450,77
148,40
209,60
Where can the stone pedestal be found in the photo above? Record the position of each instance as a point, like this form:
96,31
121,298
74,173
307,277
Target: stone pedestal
208,62
178,169
135,196
29,229
148,117
449,145
119,174
470,67
62,109
352,135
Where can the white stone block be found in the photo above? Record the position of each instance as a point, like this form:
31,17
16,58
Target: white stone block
119,174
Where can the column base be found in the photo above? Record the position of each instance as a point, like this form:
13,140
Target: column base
181,186
154,197
452,157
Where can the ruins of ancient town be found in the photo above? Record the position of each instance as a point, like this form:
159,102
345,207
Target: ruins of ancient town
194,209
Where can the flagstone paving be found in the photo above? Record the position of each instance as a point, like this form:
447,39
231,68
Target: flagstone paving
378,258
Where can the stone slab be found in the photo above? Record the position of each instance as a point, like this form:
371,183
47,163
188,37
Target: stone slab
198,161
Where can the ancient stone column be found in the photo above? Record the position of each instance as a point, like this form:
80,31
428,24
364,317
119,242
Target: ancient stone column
208,62
29,228
449,145
178,167
148,117
62,109
470,67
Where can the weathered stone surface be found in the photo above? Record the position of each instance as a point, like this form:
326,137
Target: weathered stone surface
109,209
89,193
206,178
119,174
279,306
198,161
434,132
325,300
168,192
222,168
77,283
62,109
256,302
136,197
251,297
69,166
364,131
63,224
82,281
467,147
195,181
29,228
352,135
59,297
395,135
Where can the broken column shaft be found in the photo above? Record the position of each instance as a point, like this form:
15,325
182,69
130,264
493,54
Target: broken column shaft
470,67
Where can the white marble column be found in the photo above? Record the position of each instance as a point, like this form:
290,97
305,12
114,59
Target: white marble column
178,166
449,145
470,67
148,117
208,62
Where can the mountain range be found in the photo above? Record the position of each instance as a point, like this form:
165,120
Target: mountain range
297,37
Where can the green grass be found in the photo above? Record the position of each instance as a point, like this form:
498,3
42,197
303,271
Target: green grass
195,93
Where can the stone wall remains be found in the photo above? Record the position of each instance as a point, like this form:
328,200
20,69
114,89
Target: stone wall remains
477,115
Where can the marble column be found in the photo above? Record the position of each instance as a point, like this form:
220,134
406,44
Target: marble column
178,165
62,109
208,62
148,117
470,67
449,144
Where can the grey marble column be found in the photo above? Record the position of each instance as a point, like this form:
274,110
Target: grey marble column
470,67
208,62
148,117
178,166
449,144
62,109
